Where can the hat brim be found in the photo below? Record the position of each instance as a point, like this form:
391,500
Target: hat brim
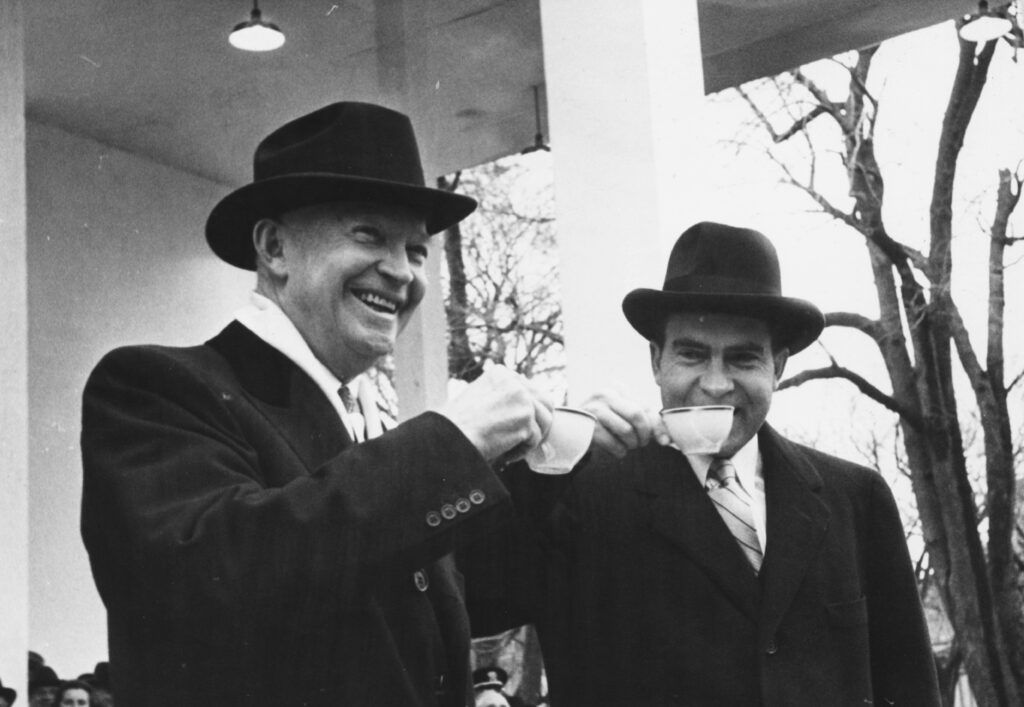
490,685
229,226
795,323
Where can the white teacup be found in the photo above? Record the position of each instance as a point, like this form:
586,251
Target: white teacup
567,440
699,430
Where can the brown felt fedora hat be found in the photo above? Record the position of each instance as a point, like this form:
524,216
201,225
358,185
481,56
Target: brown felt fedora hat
341,152
729,270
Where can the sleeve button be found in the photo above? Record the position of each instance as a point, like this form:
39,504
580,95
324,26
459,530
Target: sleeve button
463,505
476,497
419,578
447,511
433,519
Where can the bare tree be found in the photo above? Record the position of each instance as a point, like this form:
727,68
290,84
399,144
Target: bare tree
918,331
504,302
503,305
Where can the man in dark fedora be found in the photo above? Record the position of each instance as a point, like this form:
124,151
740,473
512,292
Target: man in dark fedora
8,695
258,533
766,573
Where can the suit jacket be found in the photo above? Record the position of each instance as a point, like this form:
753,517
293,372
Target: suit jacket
644,598
248,553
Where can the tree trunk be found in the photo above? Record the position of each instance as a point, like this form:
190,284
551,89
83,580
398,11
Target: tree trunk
981,593
462,364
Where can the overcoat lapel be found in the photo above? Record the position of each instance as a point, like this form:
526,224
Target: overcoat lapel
797,520
683,513
284,394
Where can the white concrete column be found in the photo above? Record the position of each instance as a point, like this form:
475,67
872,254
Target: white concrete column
13,354
421,371
625,92
421,376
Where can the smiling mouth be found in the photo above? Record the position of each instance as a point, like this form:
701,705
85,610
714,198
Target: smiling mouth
378,302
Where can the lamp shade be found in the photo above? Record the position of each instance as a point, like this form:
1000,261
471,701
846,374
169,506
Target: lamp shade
256,35
985,28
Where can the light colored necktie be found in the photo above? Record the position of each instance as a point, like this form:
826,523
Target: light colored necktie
347,399
352,408
733,504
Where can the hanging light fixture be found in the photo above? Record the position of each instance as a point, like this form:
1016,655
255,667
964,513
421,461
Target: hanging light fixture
987,24
256,35
538,138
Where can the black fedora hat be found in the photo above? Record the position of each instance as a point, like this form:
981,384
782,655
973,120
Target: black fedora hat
9,694
43,676
491,678
718,268
341,152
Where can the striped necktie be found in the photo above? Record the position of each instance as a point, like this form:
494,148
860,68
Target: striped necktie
355,417
346,399
733,504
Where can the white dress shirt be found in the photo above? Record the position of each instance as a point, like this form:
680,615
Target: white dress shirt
266,320
749,474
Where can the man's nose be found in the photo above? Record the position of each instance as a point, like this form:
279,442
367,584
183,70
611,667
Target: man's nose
715,381
396,266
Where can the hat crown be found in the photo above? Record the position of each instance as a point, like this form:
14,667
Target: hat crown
728,270
344,139
713,258
353,152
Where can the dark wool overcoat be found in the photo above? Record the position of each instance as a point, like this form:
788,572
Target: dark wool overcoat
248,553
642,597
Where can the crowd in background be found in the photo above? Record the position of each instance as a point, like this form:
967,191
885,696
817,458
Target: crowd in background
47,689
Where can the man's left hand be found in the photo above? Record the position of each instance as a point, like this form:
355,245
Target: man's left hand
623,424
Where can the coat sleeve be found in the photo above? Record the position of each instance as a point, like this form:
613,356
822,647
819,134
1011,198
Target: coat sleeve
179,516
508,570
902,663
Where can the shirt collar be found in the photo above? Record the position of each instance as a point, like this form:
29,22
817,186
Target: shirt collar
747,462
266,320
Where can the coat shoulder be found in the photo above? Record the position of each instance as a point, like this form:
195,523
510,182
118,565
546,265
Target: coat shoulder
837,475
148,365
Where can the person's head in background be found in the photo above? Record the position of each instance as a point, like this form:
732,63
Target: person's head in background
43,687
487,687
7,695
74,693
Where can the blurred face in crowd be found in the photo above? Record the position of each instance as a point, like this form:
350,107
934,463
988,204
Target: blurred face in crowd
490,698
75,697
348,276
43,696
719,359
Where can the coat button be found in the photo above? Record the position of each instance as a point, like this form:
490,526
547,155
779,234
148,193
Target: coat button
772,648
419,578
448,511
433,519
476,497
463,505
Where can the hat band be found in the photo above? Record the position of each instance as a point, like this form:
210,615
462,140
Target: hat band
719,285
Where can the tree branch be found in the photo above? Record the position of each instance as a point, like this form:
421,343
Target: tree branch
817,91
852,320
837,371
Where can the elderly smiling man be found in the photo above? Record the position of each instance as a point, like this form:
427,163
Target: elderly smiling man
765,573
257,533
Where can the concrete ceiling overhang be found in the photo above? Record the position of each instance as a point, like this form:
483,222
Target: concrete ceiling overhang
159,78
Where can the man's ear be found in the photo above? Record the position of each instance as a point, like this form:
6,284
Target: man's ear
655,359
780,358
268,240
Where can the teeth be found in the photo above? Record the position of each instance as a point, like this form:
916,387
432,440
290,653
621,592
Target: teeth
374,301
